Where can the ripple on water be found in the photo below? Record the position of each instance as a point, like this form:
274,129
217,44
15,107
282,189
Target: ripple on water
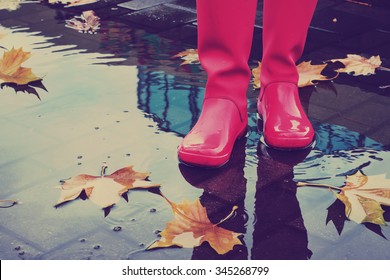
332,168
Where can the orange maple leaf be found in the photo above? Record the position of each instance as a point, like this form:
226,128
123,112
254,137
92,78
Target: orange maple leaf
190,56
191,227
10,5
359,65
308,73
362,196
11,70
87,22
104,191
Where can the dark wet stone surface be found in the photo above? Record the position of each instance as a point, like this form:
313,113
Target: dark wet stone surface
120,98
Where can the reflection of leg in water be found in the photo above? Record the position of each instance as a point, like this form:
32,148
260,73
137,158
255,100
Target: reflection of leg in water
279,232
223,188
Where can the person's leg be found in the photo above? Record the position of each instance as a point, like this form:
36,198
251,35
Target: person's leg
285,124
225,30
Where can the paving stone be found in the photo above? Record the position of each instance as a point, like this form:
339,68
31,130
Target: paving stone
142,4
110,12
161,17
24,9
376,13
13,248
155,89
317,39
187,33
381,134
363,42
383,49
189,5
369,113
37,220
98,245
340,22
371,246
96,5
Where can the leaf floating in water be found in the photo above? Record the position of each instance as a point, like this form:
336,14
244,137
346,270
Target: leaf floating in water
357,65
190,56
7,203
362,197
104,191
11,70
86,23
191,227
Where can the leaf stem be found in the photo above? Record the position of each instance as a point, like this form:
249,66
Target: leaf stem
303,184
176,210
384,68
11,203
228,216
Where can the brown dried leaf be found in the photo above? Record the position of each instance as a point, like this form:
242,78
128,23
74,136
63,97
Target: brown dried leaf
308,73
256,76
87,22
11,70
10,5
191,227
365,195
104,191
357,65
190,56
362,196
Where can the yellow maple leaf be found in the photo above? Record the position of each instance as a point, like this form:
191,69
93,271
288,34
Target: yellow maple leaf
11,70
10,5
359,65
104,191
362,196
256,75
2,34
308,73
190,56
191,227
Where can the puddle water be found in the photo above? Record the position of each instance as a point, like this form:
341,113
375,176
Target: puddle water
119,97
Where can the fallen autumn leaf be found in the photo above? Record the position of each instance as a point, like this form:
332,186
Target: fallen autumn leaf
11,70
87,22
191,227
104,191
357,65
190,56
308,73
362,196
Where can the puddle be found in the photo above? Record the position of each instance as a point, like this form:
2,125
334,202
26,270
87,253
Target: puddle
119,98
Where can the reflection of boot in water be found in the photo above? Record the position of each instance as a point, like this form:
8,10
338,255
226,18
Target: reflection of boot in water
279,232
224,188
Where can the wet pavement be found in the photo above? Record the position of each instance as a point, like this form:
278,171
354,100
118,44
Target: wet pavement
118,97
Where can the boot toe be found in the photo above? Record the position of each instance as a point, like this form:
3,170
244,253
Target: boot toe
290,140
